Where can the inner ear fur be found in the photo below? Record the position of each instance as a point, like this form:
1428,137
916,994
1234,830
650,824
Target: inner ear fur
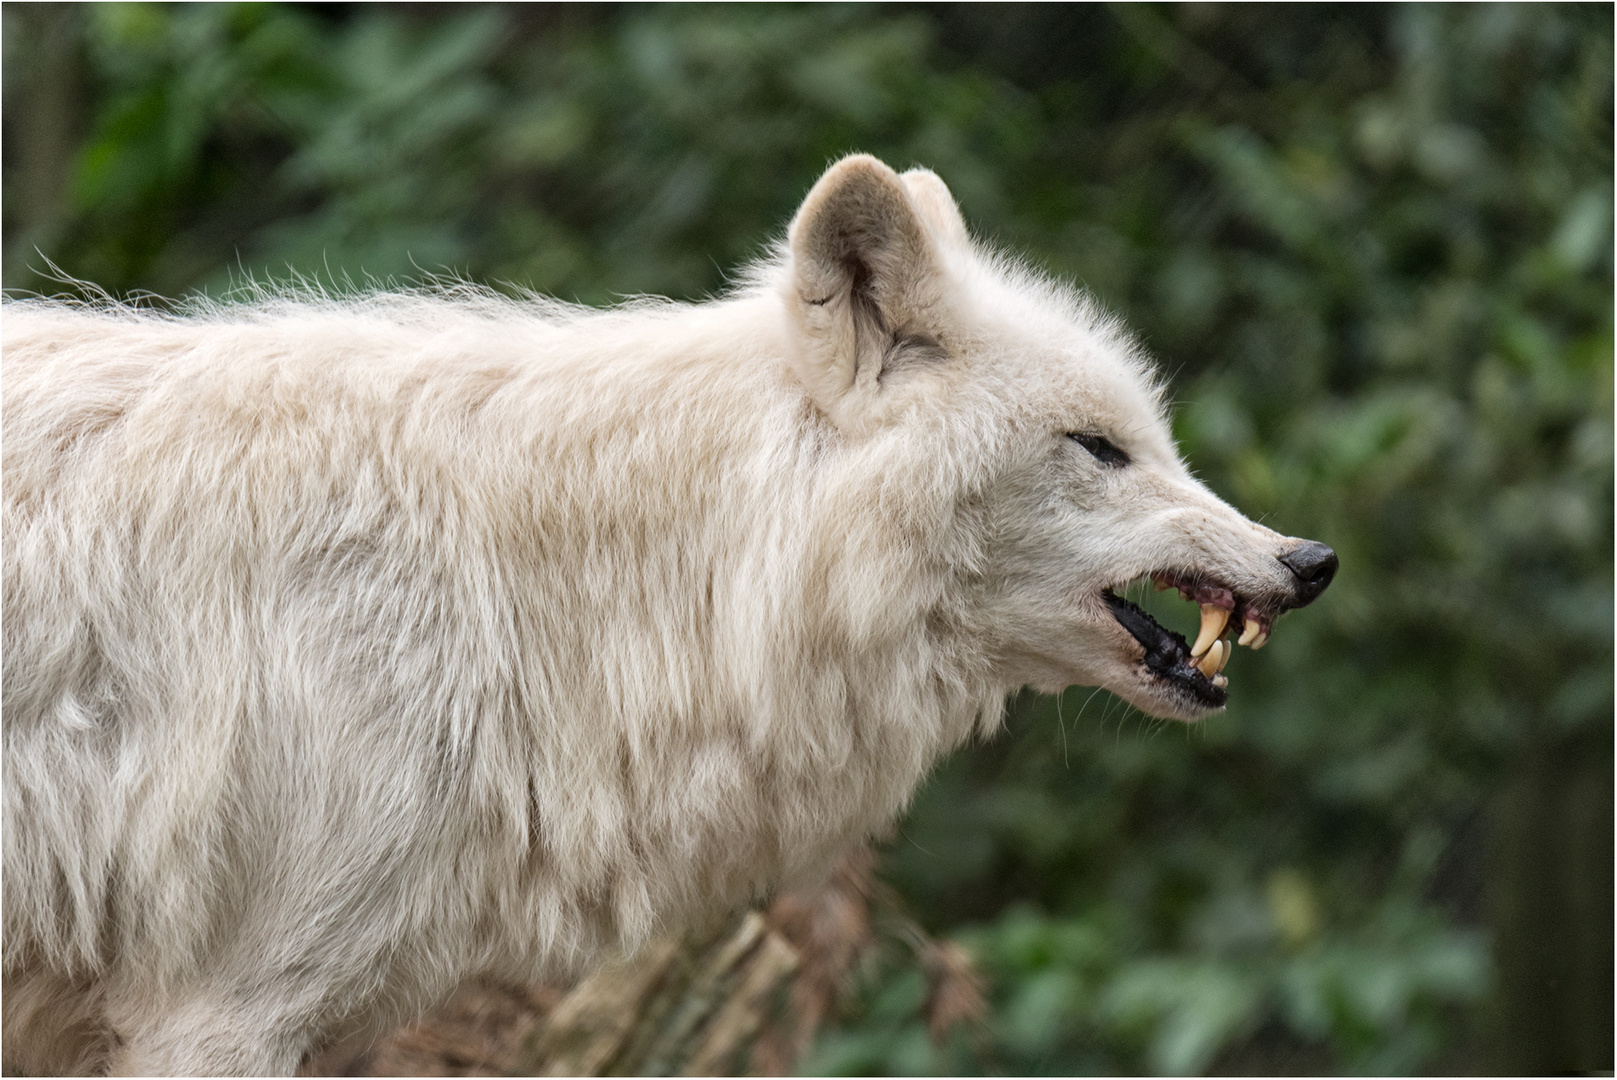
864,267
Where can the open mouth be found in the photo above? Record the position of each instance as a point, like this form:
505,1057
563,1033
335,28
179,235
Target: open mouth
1195,669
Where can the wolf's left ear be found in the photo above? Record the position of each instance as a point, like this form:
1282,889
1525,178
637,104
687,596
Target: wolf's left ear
864,268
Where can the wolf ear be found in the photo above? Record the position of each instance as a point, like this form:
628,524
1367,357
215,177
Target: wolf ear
864,267
937,206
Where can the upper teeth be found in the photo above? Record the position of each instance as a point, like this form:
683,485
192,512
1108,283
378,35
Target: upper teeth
1210,654
1214,619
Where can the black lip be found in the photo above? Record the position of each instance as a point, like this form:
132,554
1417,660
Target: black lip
1167,654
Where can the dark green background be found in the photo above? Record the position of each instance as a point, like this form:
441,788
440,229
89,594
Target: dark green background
1372,247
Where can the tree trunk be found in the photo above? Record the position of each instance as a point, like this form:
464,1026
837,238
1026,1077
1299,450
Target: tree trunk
1551,885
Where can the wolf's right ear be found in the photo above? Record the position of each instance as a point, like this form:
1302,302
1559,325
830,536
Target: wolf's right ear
937,206
864,267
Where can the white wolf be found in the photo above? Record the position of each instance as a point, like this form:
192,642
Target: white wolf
353,647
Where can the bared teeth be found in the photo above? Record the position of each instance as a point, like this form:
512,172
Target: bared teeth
1249,632
1260,641
1214,619
1229,651
1209,664
1221,681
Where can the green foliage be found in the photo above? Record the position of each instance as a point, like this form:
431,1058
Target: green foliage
1373,247
651,153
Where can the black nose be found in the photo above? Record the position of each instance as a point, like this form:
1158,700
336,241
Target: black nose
1313,565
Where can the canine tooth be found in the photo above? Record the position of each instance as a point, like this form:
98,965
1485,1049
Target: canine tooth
1209,664
1259,641
1229,651
1162,586
1249,631
1221,681
1214,619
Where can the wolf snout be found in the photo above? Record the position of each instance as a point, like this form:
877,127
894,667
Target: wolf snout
1313,565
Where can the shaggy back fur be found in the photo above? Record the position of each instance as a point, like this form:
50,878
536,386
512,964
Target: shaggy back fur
353,647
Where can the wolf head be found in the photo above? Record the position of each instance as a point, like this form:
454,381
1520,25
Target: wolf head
1047,419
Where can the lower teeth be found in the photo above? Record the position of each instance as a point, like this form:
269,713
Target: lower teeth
1213,660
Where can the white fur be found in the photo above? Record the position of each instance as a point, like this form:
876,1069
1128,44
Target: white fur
356,646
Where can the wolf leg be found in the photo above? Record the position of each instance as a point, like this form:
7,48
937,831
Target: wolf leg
53,1025
207,1036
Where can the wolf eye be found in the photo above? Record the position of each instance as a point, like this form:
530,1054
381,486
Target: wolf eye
1104,450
